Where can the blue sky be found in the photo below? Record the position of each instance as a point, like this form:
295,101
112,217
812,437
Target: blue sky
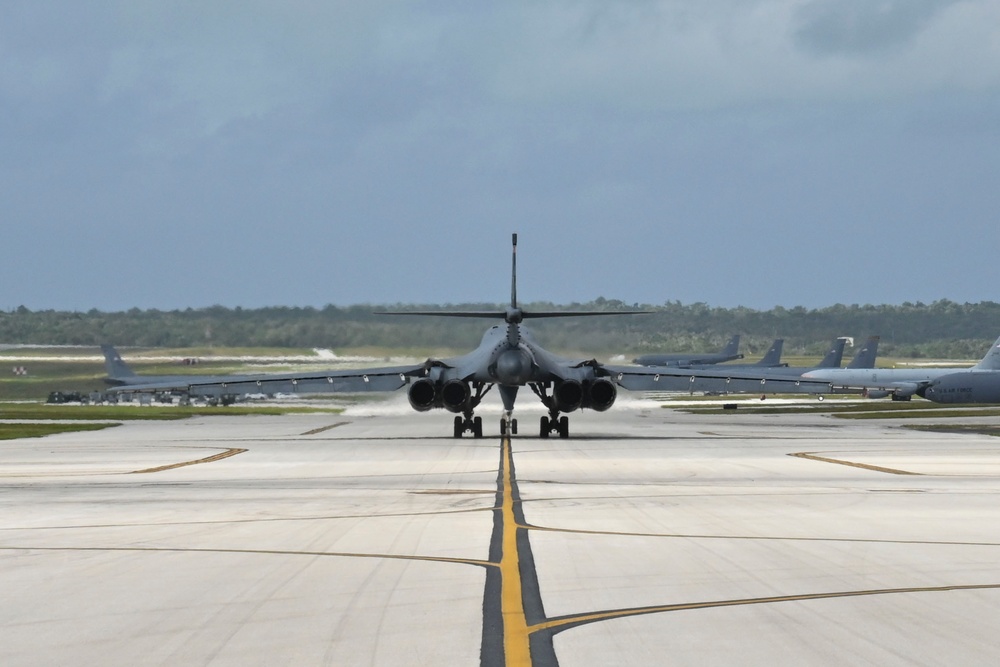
733,152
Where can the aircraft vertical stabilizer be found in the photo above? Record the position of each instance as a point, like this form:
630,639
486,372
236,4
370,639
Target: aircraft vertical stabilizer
991,362
114,365
773,356
865,357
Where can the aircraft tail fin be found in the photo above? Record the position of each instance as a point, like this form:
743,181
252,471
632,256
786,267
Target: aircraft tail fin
865,357
773,355
513,314
513,270
114,365
732,348
834,356
991,362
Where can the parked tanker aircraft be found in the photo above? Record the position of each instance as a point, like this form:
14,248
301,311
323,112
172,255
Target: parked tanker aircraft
732,378
729,352
863,358
978,384
508,358
771,358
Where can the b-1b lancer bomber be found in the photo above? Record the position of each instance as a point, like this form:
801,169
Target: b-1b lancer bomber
508,358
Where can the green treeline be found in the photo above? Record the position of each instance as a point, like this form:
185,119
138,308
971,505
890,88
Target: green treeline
943,329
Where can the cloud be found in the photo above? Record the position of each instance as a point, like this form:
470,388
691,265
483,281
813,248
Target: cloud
863,27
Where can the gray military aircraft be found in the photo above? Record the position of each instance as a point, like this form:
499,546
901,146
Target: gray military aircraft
977,384
864,358
731,379
771,358
507,357
729,352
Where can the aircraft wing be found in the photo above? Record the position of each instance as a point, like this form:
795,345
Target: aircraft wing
645,378
310,382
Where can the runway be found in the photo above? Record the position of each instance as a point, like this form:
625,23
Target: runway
650,537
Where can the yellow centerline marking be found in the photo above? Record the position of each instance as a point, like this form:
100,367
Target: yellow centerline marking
232,451
516,646
853,464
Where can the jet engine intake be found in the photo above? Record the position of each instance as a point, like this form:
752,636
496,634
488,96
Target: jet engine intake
455,395
568,395
601,395
423,395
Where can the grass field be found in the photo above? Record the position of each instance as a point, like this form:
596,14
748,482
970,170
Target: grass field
15,431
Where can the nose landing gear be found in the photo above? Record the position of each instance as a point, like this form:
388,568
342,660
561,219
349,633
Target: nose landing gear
508,425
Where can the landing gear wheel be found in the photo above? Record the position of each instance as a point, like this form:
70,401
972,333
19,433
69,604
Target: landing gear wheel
503,426
543,430
477,427
513,427
564,427
459,427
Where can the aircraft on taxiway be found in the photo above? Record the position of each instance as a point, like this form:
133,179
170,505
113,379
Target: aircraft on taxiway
507,358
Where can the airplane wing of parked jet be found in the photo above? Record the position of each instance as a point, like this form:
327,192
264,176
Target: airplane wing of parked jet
729,352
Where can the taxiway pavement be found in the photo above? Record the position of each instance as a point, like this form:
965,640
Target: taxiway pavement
649,537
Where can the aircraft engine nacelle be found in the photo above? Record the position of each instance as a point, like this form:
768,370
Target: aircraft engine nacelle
905,392
455,395
601,395
423,395
876,393
568,395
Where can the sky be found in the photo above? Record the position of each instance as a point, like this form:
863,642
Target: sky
309,152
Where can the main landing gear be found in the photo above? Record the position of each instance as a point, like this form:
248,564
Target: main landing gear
554,424
473,425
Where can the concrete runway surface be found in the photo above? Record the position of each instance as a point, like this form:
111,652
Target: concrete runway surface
650,537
